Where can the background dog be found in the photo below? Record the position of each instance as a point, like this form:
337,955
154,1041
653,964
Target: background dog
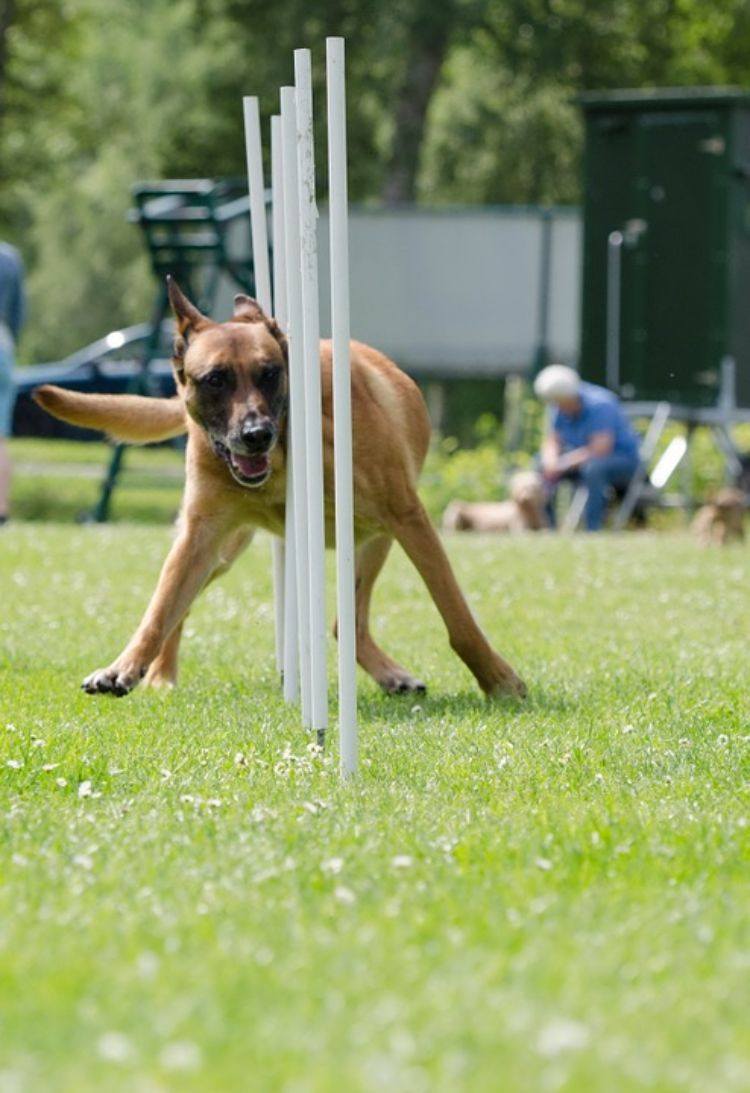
523,511
721,520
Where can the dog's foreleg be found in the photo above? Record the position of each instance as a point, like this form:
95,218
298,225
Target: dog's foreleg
415,533
194,556
391,676
163,669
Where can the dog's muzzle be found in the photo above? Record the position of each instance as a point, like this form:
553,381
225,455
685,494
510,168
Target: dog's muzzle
249,468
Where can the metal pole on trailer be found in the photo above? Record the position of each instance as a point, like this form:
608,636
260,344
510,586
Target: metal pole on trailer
313,396
342,405
259,233
296,430
291,634
614,278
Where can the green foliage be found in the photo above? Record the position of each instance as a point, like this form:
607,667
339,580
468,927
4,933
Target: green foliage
96,94
504,126
481,472
60,480
544,896
496,139
90,274
472,474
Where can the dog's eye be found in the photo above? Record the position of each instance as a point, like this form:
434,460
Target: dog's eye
215,379
269,373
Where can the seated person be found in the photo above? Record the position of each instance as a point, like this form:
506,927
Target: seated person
589,439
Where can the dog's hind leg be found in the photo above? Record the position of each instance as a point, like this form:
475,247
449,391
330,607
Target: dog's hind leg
391,676
414,531
163,670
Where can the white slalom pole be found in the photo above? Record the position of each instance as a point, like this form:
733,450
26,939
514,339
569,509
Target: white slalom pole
342,403
259,232
291,636
313,399
297,424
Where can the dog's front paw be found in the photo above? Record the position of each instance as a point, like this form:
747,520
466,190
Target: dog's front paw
117,680
502,680
399,682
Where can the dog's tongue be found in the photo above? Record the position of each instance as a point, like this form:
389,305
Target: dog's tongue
250,465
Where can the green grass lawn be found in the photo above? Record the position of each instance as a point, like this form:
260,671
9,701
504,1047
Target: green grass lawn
61,480
546,897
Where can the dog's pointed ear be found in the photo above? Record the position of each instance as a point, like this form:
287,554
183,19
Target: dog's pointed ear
189,319
248,310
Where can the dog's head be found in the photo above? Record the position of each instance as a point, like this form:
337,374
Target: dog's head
729,500
526,488
233,378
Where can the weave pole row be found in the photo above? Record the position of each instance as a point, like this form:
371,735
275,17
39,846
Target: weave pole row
299,565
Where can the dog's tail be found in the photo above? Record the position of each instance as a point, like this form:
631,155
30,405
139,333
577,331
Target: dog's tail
132,418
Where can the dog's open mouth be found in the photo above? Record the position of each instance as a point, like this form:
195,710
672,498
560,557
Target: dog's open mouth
248,470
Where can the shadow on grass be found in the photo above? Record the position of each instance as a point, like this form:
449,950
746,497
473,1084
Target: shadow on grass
413,707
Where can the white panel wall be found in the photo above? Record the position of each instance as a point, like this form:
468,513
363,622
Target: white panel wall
456,292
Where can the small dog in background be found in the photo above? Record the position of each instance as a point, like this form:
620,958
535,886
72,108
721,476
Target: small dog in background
721,520
523,511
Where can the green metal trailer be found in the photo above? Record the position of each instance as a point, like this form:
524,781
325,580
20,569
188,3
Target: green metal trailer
666,253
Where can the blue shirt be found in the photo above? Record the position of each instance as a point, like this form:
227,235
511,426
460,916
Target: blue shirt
600,413
12,301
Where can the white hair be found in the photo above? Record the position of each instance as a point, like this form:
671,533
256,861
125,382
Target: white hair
556,381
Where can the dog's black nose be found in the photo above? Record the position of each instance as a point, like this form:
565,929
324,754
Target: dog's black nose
257,436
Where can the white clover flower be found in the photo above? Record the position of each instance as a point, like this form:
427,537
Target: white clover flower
115,1047
333,866
182,1055
345,895
560,1035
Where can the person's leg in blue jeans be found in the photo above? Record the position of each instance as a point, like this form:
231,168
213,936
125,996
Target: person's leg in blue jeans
598,475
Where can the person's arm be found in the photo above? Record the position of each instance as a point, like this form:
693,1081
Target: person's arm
600,445
17,306
550,453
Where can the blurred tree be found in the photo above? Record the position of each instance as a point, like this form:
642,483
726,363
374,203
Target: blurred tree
503,125
7,17
125,116
429,28
32,92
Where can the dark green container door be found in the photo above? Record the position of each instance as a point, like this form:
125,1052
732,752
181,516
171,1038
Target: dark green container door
675,274
609,202
668,170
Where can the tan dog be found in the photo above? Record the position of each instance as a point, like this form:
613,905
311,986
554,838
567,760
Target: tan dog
523,511
232,400
721,520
